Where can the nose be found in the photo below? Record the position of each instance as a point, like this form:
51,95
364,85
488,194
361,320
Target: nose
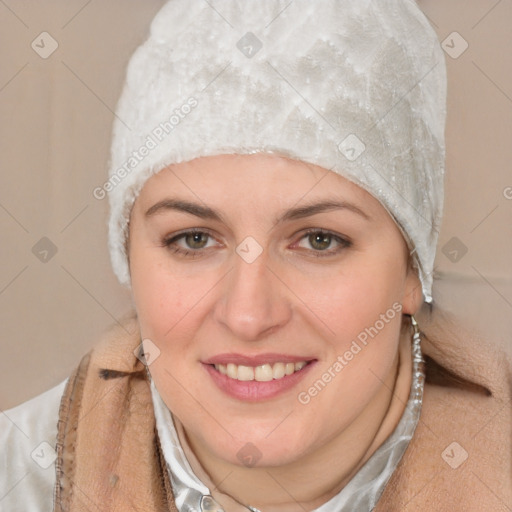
253,301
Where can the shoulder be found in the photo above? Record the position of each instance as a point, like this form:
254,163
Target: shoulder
460,456
465,436
27,440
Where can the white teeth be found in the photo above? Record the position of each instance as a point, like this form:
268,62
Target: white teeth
262,373
245,372
290,368
232,371
278,371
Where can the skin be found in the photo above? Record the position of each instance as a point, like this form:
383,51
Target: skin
288,301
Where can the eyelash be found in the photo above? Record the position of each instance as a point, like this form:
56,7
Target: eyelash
169,243
343,242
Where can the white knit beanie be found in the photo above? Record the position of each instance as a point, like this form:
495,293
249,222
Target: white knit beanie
357,87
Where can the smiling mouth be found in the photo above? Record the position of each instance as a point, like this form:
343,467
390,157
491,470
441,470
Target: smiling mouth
261,373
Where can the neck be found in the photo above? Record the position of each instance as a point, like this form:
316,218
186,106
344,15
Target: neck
291,488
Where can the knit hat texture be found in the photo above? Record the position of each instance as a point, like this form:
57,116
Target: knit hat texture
357,87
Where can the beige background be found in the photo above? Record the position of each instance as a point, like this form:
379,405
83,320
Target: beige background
56,116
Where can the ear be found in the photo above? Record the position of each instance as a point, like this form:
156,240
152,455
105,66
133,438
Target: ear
413,292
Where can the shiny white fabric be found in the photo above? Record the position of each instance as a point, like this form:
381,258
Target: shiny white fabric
25,485
357,87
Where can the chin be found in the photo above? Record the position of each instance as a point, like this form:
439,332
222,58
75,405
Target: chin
254,448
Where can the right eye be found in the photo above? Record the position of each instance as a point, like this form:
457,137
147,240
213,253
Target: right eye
195,243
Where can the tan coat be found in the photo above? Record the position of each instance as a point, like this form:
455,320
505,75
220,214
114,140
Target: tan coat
467,412
109,458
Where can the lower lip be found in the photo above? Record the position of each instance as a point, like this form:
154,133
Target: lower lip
253,390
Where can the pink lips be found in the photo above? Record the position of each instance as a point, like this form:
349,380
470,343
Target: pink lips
254,391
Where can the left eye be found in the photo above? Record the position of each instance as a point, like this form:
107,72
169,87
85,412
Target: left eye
195,240
320,241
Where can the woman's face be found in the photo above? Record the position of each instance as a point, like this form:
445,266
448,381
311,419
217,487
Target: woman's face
273,291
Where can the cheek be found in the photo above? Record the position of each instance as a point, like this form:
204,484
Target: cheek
364,316
362,308
355,297
159,293
150,294
161,303
165,309
171,306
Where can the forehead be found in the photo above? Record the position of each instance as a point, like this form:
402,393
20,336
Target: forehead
258,177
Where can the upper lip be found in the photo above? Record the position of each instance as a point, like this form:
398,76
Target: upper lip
255,360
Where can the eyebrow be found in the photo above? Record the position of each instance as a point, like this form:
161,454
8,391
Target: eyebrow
205,212
168,204
320,207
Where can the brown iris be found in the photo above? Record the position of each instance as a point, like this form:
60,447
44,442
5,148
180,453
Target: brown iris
196,240
320,240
